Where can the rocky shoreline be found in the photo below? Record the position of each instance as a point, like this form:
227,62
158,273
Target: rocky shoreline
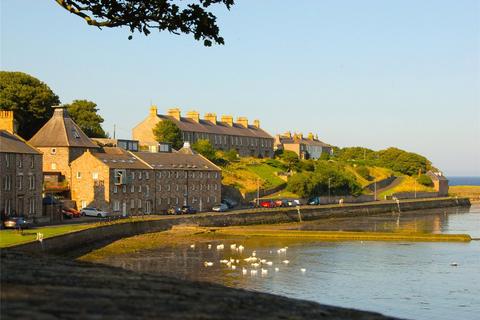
50,287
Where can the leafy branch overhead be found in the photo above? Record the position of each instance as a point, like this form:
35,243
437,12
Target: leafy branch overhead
143,16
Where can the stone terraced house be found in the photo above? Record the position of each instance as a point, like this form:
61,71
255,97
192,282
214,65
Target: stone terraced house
21,174
125,182
247,139
305,148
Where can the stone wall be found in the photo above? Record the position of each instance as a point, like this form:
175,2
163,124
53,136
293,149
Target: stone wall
85,240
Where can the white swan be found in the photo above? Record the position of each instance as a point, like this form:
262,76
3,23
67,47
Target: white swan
286,261
208,264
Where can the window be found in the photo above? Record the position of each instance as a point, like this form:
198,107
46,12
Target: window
120,176
160,188
139,203
133,175
79,175
168,187
132,188
7,183
7,160
116,205
216,187
75,134
140,175
95,176
32,182
53,151
132,204
124,188
20,161
147,175
20,182
147,190
32,204
148,206
53,166
115,189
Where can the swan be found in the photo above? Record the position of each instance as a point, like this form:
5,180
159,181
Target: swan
220,246
277,269
244,271
208,264
209,246
224,261
255,265
303,270
192,246
286,261
264,271
269,263
253,272
233,246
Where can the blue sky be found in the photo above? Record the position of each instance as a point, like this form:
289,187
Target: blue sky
358,73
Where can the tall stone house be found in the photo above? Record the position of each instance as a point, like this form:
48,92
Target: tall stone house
125,182
61,141
224,134
440,183
306,148
21,173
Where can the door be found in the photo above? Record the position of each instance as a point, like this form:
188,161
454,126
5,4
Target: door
124,208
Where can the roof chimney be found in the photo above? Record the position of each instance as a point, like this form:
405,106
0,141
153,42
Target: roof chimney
153,110
7,121
243,121
288,134
174,113
194,115
60,111
256,123
212,117
228,120
310,136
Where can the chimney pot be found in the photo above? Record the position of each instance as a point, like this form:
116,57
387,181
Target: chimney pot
228,120
243,121
174,113
211,117
153,110
256,123
194,115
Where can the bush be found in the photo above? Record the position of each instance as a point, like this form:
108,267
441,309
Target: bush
290,159
364,172
425,180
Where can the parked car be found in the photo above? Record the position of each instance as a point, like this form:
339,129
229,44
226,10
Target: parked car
222,207
293,203
267,204
67,214
17,223
93,212
229,203
315,201
174,210
188,210
75,213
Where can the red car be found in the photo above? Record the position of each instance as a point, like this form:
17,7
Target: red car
267,204
72,212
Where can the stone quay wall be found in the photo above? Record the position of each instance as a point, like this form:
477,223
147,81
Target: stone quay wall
80,242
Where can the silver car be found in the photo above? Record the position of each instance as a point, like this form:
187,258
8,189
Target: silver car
93,212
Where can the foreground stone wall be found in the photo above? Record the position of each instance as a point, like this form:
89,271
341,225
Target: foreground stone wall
78,243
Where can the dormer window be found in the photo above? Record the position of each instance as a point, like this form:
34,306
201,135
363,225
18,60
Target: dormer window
75,134
53,151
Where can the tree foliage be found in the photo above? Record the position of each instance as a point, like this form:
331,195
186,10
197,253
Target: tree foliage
402,161
30,99
290,159
316,183
84,113
147,15
166,131
364,172
205,148
425,180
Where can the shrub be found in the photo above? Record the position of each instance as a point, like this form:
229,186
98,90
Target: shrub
364,172
425,180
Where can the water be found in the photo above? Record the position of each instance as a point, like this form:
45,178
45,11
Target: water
464,181
407,280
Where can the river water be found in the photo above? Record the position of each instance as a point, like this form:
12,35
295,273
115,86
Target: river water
402,279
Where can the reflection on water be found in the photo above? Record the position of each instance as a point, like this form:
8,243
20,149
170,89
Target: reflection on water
409,280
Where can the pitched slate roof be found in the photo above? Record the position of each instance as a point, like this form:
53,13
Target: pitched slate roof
10,143
118,158
436,175
204,126
176,161
309,142
61,131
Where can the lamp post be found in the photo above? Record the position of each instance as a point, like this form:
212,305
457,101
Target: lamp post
329,180
375,187
258,192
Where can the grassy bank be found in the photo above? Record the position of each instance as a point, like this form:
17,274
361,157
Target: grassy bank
471,192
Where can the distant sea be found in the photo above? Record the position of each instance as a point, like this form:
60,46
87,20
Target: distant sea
464,181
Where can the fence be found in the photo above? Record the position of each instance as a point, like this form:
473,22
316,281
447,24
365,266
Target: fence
413,195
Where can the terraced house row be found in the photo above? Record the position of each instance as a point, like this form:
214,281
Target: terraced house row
224,134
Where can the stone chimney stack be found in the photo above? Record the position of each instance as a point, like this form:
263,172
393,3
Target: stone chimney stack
7,121
311,136
256,123
243,121
175,113
153,110
228,120
211,117
194,115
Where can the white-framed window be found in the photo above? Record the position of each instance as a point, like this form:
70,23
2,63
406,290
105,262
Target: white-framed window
19,182
132,188
139,188
20,161
53,166
140,175
168,187
53,151
139,203
176,200
120,176
178,187
32,161
124,188
7,183
31,182
115,189
147,175
95,176
216,187
160,187
147,190
116,205
133,175
79,175
132,204
32,205
7,160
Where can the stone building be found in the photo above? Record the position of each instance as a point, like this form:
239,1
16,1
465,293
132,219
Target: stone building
21,171
440,183
224,134
113,180
306,148
61,141
125,182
